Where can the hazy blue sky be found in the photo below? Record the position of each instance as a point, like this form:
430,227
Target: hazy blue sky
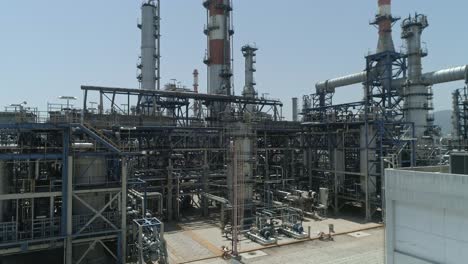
49,48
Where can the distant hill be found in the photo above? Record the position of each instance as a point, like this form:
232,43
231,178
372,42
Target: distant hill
444,120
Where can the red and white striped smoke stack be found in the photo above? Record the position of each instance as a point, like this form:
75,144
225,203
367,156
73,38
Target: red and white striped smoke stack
384,21
218,31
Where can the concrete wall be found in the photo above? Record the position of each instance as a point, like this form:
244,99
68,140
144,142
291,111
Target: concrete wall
426,217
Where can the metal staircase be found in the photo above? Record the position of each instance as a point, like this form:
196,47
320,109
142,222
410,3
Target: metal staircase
100,137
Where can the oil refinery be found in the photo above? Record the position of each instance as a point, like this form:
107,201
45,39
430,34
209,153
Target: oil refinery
163,173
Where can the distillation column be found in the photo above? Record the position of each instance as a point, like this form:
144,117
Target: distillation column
456,116
218,59
149,66
249,53
415,92
196,106
241,162
295,110
245,137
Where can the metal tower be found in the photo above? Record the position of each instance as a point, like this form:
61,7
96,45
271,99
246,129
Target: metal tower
149,65
249,53
218,58
460,118
415,92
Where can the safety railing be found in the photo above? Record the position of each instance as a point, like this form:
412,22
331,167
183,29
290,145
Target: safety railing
36,229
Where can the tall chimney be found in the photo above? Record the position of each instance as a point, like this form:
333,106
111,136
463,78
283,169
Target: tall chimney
219,32
384,21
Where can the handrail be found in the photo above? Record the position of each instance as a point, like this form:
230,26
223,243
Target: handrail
99,136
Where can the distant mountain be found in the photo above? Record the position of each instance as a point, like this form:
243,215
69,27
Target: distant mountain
444,120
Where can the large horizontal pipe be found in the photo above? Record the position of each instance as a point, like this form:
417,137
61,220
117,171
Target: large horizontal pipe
330,85
216,198
447,75
443,76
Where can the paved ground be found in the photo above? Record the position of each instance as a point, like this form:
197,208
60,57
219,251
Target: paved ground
202,240
344,250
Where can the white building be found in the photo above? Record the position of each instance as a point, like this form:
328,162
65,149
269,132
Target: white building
426,216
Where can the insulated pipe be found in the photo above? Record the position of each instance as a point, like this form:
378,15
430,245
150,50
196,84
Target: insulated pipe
448,75
384,22
330,85
442,76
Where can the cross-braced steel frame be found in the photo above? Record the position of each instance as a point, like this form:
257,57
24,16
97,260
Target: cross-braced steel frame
345,144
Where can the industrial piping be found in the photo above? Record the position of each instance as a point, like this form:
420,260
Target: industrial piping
459,73
384,20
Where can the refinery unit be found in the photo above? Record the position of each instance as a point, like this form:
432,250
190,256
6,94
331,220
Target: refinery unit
98,182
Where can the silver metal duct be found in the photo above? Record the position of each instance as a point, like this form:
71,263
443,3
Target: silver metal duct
330,85
447,75
383,20
459,73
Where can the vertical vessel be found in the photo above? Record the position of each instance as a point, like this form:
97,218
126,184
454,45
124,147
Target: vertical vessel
149,65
